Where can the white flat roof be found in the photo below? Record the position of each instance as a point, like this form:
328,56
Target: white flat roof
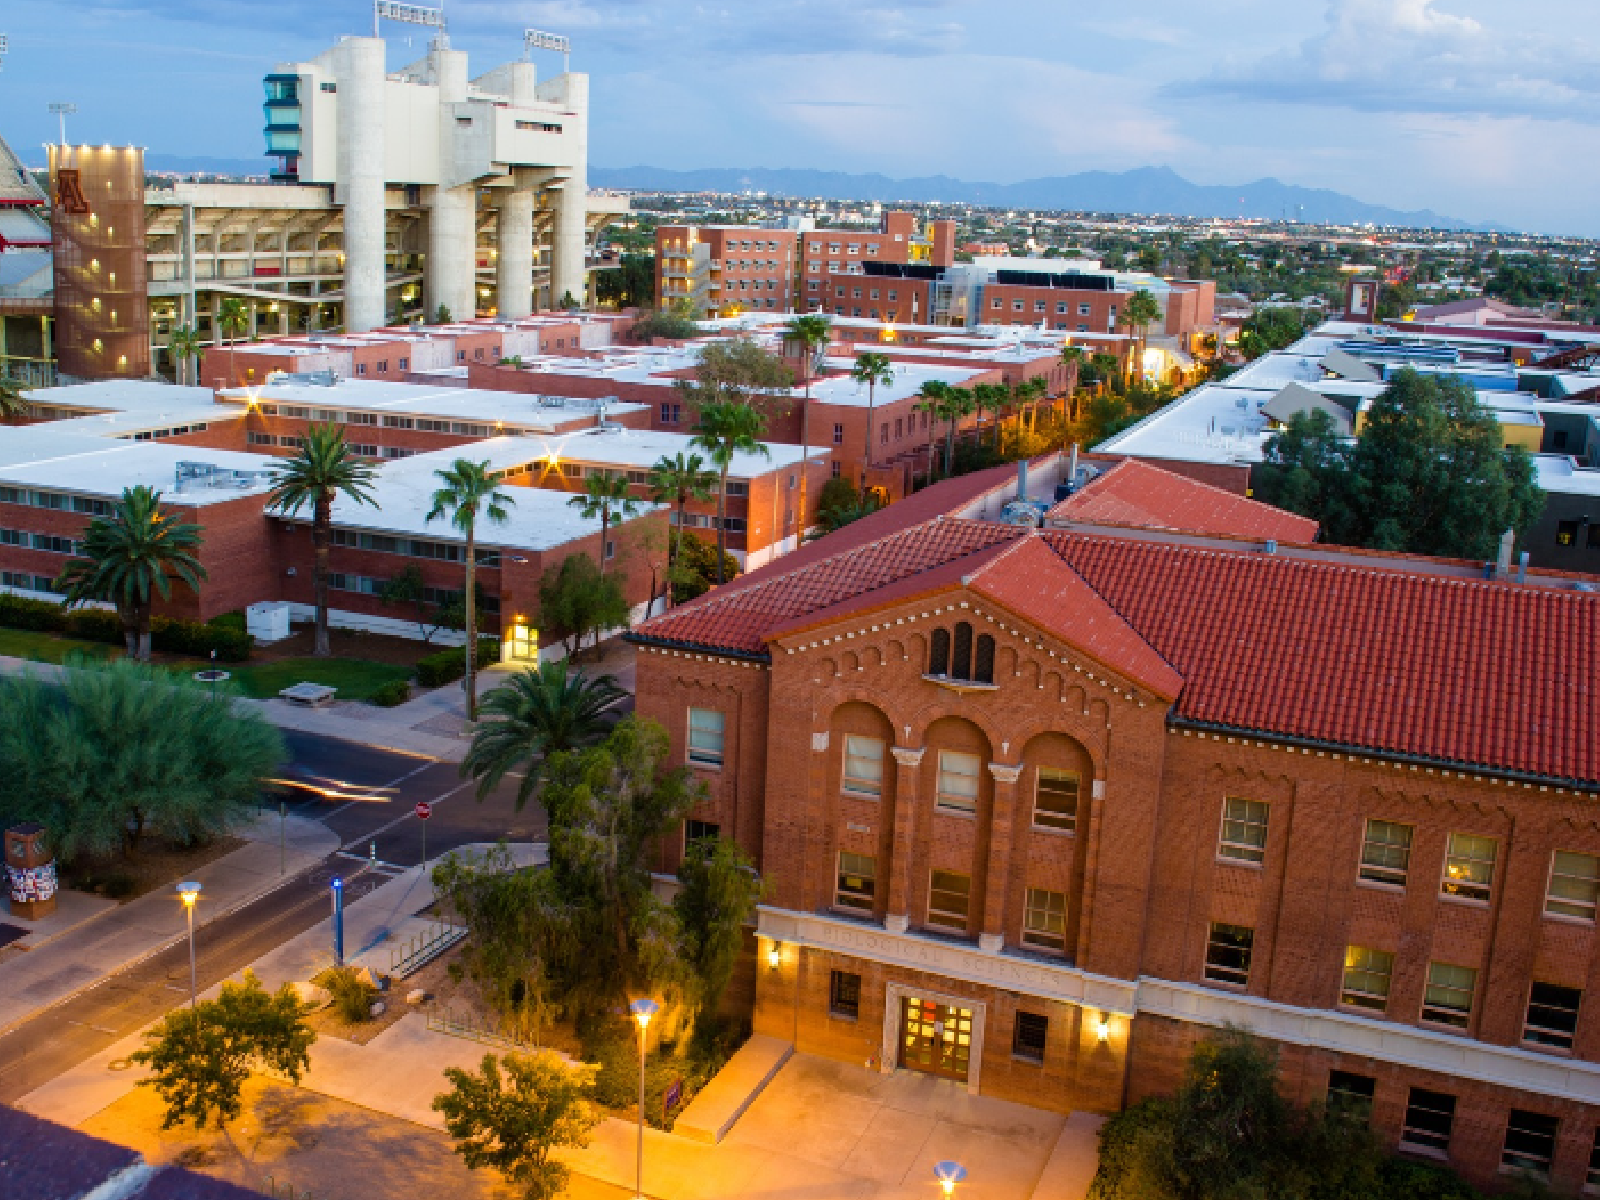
1559,473
517,410
908,380
638,449
50,458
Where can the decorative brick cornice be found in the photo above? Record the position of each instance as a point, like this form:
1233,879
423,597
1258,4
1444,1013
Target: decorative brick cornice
908,756
1005,772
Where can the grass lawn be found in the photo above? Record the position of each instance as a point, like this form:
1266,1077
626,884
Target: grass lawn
49,647
356,679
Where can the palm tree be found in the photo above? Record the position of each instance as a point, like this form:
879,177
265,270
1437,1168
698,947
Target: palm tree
958,403
992,396
603,494
183,345
871,369
131,557
676,481
468,490
14,401
811,332
726,429
323,468
536,713
933,394
1137,314
233,318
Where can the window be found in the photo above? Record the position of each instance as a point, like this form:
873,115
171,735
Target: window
699,831
1029,1035
961,651
1566,533
1448,998
1061,309
949,898
838,434
1592,1182
52,543
1244,829
1552,1015
858,881
1228,954
844,994
1350,1092
958,782
1044,919
1366,978
1083,310
1055,799
863,766
1429,1118
1530,1142
939,652
1469,866
1385,853
883,433
1574,885
705,737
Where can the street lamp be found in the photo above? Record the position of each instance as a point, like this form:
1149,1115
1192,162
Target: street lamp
949,1173
190,893
643,1009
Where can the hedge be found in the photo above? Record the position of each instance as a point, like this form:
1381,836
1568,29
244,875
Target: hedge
391,694
447,666
232,644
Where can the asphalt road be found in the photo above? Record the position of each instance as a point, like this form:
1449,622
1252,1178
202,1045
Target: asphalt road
367,797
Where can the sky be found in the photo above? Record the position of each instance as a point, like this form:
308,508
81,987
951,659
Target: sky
1483,110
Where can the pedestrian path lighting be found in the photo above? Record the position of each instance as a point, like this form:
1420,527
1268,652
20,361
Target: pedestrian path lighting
190,892
949,1174
643,1009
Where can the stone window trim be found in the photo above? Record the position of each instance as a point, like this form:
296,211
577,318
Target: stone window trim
889,1049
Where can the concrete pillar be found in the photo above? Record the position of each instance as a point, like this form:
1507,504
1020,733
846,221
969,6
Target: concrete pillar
997,873
568,268
452,252
514,266
360,174
908,763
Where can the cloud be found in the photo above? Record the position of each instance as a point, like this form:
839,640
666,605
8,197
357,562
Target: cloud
1410,56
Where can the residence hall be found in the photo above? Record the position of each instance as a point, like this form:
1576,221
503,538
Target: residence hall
1042,807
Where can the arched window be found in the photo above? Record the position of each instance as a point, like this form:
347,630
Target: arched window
939,653
983,664
961,660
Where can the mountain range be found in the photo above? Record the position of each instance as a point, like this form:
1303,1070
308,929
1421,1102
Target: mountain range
1152,190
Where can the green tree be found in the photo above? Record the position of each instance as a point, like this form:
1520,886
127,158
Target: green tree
184,344
720,891
14,400
605,494
576,600
727,429
233,318
629,284
1138,312
676,480
467,491
536,713
934,401
672,326
442,315
958,405
514,1111
875,370
323,469
811,333
697,567
1274,328
408,588
737,371
130,558
199,1058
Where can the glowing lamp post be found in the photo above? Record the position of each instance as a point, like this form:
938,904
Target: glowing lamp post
949,1174
190,892
643,1010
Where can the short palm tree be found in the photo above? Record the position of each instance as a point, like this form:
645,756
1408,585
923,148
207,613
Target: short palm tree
958,403
324,468
676,481
13,399
233,318
129,558
811,333
183,345
605,495
467,491
933,400
1140,310
872,369
728,428
534,714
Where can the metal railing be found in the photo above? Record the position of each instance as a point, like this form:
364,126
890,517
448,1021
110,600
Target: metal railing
416,952
479,1029
286,1190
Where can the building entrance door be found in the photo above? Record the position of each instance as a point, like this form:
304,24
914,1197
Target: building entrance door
935,1038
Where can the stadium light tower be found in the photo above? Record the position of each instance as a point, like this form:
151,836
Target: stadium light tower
63,110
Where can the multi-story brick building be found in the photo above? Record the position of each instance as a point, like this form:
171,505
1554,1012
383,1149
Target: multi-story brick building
1039,808
725,269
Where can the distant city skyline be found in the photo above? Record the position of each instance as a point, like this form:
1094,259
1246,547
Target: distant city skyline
1467,107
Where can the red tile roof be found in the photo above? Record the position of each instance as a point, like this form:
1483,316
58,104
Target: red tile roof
1134,492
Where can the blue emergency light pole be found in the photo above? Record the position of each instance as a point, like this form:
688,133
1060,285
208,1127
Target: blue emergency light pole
338,922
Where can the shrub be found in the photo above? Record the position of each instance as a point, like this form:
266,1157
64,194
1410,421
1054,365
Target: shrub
21,612
352,995
391,694
96,625
193,638
229,620
447,666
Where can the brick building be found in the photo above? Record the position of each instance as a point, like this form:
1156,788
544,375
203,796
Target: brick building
725,268
1048,805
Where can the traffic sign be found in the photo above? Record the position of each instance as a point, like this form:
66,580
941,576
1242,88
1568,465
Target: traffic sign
424,810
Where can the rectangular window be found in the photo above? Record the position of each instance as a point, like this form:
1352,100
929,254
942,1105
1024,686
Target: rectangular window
1244,829
1566,533
1228,953
52,543
949,899
705,737
858,881
838,434
1350,1092
1592,1182
1055,800
1386,853
1448,998
1574,885
863,766
1367,973
1029,1036
700,831
958,782
1429,1119
1552,1015
1044,920
844,994
1530,1142
1469,866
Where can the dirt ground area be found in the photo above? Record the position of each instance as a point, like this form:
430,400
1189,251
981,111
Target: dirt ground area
155,864
346,643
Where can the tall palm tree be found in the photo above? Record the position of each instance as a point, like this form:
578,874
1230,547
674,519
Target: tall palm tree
958,403
933,395
811,333
1137,314
605,494
132,556
871,368
323,468
467,490
727,429
536,713
14,401
183,345
676,481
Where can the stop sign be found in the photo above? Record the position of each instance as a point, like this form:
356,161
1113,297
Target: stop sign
424,810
